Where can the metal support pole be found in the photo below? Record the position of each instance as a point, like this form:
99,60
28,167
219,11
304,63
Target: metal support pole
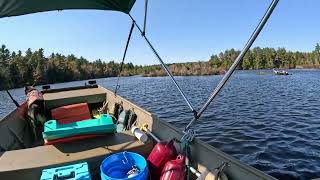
237,61
165,68
145,17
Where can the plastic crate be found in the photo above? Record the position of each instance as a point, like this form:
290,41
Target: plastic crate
71,172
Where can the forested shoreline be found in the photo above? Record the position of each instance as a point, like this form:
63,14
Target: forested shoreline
32,67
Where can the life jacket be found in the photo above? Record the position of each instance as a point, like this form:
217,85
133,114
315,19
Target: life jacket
123,121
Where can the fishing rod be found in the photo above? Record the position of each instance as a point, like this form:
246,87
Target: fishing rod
237,61
13,100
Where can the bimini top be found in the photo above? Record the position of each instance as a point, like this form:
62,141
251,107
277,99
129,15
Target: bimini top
20,7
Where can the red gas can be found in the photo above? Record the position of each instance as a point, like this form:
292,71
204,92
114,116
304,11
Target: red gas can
161,153
174,169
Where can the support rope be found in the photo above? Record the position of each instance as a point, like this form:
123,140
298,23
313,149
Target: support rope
123,58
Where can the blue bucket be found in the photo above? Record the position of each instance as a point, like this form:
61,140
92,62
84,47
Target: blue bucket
117,166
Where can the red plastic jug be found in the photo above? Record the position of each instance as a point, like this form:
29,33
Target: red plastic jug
161,153
174,169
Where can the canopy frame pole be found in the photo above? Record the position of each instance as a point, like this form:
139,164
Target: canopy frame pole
237,61
145,17
164,66
123,58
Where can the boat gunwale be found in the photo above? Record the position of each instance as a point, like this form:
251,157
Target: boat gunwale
218,152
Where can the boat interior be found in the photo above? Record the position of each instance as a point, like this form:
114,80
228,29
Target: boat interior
23,157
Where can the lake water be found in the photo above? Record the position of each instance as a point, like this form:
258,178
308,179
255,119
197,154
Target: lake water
269,122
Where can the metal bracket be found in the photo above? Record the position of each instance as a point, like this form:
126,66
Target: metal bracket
188,136
217,171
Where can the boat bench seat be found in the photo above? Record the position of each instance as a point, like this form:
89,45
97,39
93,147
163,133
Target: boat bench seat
32,161
57,99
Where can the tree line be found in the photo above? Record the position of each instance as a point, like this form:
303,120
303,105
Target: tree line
267,58
18,69
32,67
256,58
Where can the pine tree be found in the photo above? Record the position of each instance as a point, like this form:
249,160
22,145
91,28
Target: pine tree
4,56
317,52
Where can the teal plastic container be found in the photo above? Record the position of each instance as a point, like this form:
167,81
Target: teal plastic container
70,172
53,130
116,166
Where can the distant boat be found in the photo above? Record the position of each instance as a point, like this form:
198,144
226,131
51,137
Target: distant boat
262,73
280,72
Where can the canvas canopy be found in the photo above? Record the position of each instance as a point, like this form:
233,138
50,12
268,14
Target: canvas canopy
20,7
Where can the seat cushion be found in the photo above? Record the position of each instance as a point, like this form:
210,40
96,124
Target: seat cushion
71,113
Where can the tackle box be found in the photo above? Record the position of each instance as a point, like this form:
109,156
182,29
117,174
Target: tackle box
103,125
71,172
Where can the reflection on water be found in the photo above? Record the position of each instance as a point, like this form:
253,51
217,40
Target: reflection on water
269,122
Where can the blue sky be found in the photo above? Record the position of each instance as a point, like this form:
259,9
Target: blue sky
181,30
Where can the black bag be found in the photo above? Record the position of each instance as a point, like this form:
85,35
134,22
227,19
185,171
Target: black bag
115,110
132,120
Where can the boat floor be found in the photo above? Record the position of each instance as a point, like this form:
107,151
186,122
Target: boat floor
27,161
